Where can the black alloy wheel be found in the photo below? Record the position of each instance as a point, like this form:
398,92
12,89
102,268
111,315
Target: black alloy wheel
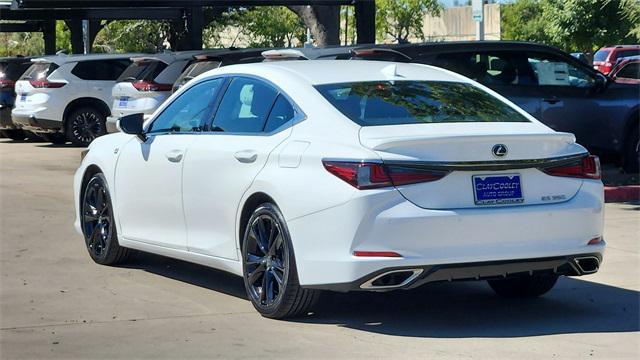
98,225
269,272
84,125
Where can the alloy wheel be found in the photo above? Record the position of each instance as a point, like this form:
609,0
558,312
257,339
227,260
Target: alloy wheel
266,261
86,126
96,217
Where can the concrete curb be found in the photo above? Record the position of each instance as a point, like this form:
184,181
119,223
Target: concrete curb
622,193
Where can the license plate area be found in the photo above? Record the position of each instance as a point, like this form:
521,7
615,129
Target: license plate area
123,102
503,189
23,97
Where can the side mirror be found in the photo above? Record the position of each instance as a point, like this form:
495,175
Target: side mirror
602,81
132,124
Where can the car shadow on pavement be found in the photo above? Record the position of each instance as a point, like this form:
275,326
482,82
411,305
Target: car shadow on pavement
444,310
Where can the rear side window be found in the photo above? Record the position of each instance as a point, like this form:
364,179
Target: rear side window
245,106
416,102
626,53
142,70
104,70
194,69
39,71
601,55
281,113
490,68
630,71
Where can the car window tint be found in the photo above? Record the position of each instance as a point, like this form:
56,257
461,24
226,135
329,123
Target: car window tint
630,71
601,55
39,71
190,110
105,70
244,107
282,113
416,102
626,53
146,70
553,70
490,68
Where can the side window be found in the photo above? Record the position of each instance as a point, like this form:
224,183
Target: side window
190,111
630,71
244,107
552,70
490,68
105,70
281,114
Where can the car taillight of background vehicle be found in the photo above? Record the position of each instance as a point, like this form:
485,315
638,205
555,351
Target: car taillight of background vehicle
586,168
7,84
368,175
46,84
143,85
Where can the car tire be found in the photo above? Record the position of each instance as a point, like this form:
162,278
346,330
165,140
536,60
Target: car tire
14,134
55,138
269,267
524,287
98,225
632,153
84,125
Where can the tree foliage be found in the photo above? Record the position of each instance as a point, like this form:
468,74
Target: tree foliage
573,25
401,19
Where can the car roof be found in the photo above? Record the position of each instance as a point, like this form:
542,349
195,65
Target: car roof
316,72
15,59
63,59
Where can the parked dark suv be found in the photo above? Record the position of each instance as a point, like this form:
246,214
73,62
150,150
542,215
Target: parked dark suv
10,70
556,88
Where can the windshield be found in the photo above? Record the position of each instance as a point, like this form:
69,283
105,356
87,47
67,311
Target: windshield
416,102
39,71
601,55
193,70
146,70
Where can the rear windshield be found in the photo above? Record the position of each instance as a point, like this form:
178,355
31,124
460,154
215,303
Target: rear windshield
193,70
11,70
142,70
601,55
416,102
39,71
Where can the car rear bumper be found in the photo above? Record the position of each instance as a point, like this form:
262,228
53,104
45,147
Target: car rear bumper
324,242
411,277
31,122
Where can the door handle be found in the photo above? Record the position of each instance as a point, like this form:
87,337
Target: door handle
246,156
551,100
174,155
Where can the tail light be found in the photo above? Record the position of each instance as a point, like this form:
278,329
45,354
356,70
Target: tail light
367,175
587,167
7,84
46,84
143,85
606,67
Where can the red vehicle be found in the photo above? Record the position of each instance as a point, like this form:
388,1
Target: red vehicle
605,58
626,70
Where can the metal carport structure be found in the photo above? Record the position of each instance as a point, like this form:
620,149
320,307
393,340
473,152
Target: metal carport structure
40,15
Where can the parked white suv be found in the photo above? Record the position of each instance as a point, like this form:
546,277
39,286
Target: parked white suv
67,97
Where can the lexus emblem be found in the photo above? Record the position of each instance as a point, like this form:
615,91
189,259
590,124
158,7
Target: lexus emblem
499,150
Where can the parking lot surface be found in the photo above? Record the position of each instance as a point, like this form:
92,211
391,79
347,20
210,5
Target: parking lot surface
56,303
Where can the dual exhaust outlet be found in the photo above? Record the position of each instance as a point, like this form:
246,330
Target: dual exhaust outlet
400,278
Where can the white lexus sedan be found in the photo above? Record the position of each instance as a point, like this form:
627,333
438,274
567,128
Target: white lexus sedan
303,176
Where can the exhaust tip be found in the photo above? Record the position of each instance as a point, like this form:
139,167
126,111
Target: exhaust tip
587,264
392,279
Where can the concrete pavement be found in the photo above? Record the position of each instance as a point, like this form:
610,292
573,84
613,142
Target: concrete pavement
56,303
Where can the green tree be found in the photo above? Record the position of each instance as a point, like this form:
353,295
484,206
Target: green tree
523,20
401,19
